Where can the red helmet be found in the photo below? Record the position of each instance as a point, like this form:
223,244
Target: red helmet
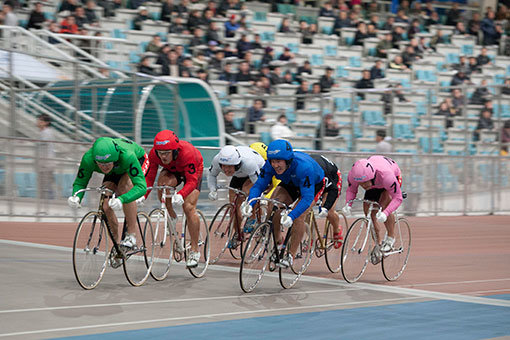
166,140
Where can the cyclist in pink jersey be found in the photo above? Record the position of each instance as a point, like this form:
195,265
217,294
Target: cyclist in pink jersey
381,178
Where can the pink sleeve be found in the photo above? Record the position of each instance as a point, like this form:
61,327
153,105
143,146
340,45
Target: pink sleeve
393,187
352,190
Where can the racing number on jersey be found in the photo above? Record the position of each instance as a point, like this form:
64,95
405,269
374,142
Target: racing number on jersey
80,173
133,172
389,160
127,141
307,182
394,186
262,173
192,169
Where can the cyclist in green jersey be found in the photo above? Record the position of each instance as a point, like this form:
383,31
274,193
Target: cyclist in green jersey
124,164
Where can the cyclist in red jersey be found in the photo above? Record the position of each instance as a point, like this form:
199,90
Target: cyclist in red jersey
181,162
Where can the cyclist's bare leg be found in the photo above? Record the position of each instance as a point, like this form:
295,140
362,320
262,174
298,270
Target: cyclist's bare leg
377,228
238,217
283,196
298,230
390,221
166,178
110,214
190,210
129,209
333,217
246,189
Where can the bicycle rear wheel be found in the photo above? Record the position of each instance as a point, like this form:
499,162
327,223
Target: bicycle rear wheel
356,250
256,255
90,250
203,246
220,231
138,259
290,276
395,262
163,245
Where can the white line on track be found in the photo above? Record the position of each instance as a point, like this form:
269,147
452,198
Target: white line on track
248,312
452,283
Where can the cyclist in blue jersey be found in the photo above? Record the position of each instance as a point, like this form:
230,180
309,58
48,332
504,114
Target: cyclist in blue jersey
301,179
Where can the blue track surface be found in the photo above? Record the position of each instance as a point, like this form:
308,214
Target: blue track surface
422,320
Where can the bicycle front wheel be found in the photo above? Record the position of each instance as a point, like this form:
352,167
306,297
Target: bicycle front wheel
356,250
220,231
203,246
138,259
163,245
395,261
290,276
90,250
256,255
333,255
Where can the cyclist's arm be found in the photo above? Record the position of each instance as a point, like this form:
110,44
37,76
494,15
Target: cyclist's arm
135,172
212,175
307,188
150,177
85,171
351,192
393,187
263,180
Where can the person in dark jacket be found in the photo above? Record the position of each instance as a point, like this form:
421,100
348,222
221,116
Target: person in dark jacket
377,72
364,83
327,81
37,18
485,122
144,67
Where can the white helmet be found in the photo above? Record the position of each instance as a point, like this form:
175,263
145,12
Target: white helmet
229,155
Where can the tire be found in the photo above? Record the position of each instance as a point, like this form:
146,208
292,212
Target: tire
356,250
302,259
138,260
260,214
220,231
333,255
163,245
90,250
394,264
203,246
256,255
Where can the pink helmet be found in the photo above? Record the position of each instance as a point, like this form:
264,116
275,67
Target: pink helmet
362,171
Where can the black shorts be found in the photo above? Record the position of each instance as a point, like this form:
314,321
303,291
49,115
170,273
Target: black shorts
295,193
375,194
115,178
182,179
238,182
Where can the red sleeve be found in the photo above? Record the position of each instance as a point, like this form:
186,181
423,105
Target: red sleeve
153,170
192,164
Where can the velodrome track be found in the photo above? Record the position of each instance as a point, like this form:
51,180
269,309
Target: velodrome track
456,286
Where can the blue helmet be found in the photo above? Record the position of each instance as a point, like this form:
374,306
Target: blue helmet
280,149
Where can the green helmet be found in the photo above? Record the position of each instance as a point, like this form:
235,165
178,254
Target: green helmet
105,150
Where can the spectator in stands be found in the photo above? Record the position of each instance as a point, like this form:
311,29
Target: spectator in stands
53,28
213,33
206,18
301,93
409,56
361,34
285,26
505,138
68,25
327,81
80,17
421,47
248,57
316,89
194,20
276,76
401,17
377,71
268,56
473,66
203,75
305,68
244,73
327,128
353,19
243,45
168,10
340,5
446,109
383,145
225,5
485,122
228,75
228,121
281,129
198,38
483,58
397,36
90,12
170,64
46,153
453,15
340,22
474,24
9,18
460,29
287,55
211,6
256,44
462,65
491,32
365,82
304,29
181,54
489,106
216,60
255,114
460,78
506,90
143,15
413,29
68,5
327,10
229,50
287,78
371,31
261,88
373,9
145,66
397,64
388,24
384,46
36,19
433,19
178,27
458,100
182,7
438,38
154,45
481,94
389,96
265,71
199,61
231,26
186,68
